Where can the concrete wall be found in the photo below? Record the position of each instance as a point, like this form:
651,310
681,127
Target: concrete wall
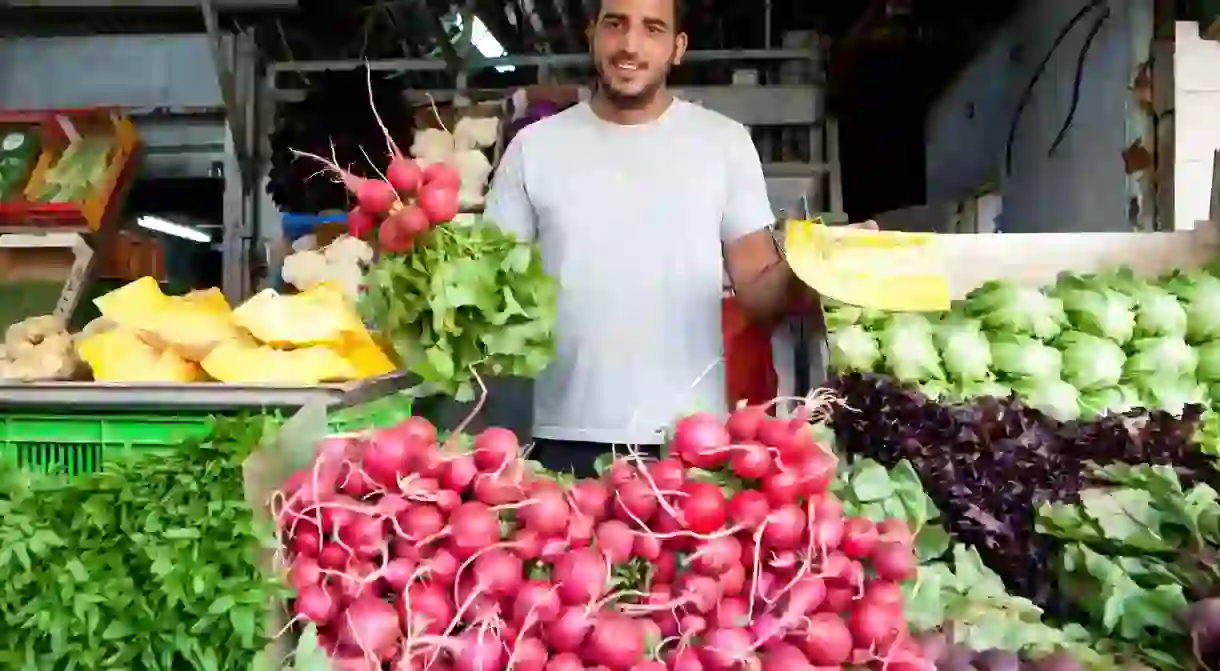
1083,186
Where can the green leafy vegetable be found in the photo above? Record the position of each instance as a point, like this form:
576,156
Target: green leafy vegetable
1023,357
1006,306
853,349
1091,362
1052,396
1102,312
964,348
466,298
908,348
1161,357
154,564
1159,313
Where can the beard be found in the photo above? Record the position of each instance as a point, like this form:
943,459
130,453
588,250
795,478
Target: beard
634,100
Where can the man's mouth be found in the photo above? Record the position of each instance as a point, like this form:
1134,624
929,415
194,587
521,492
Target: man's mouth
625,66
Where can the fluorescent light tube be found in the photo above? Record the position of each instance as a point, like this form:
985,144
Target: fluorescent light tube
170,228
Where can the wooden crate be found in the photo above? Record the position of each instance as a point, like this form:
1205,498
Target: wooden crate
57,127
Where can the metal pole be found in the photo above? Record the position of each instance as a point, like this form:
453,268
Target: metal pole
525,60
767,26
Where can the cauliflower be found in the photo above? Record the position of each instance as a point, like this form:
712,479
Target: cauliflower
431,145
304,269
350,251
476,133
475,170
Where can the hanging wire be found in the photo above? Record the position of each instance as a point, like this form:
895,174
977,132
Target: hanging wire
1027,94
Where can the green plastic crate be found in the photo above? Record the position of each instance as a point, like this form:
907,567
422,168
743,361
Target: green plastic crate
80,443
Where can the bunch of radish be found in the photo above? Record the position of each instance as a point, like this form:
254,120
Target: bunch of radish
403,202
414,553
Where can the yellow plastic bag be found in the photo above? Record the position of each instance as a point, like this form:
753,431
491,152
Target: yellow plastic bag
883,270
121,355
300,320
244,362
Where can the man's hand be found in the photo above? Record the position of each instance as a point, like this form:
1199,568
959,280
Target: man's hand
869,225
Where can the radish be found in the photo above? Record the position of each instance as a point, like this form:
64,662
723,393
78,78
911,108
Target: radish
732,612
883,592
306,543
859,537
536,600
421,521
529,654
785,528
458,473
748,508
647,547
826,533
499,572
894,561
895,530
716,556
743,424
472,527
404,175
581,576
784,657
616,540
371,626
751,461
636,503
685,659
701,441
667,474
360,223
826,640
726,649
413,220
315,604
398,573
567,632
440,203
591,498
304,571
478,649
733,581
782,486
565,661
497,489
426,608
546,512
875,625
702,506
443,176
395,235
494,448
804,597
615,641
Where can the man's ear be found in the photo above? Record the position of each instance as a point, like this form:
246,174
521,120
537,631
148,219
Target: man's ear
679,48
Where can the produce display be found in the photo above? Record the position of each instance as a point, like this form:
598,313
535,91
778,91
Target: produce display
79,170
450,298
156,563
1086,346
463,150
18,153
303,339
343,263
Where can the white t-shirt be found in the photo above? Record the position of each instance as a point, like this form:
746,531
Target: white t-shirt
630,221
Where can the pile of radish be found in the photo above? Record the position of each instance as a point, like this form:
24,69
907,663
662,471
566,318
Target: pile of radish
404,202
414,553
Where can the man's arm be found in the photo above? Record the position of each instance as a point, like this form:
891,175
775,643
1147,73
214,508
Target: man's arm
762,280
508,201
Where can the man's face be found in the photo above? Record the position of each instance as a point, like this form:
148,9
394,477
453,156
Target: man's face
635,43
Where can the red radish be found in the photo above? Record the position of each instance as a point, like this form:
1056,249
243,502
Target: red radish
784,657
580,576
896,530
782,486
567,632
565,661
591,498
685,659
395,236
615,641
537,600
371,626
306,543
785,528
472,527
546,512
360,224
884,592
826,640
647,547
649,665
894,561
315,604
499,572
744,423
413,220
805,596
440,203
333,556
616,540
443,176
495,447
838,599
701,441
733,581
732,612
304,571
397,573
635,502
702,506
404,174
748,507
859,537
372,195
725,649
478,649
751,461
667,474
421,521
529,655
826,533
775,433
716,556
458,473
875,625
428,607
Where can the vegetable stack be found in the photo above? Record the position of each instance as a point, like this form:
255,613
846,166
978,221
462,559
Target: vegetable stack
1086,346
448,298
407,549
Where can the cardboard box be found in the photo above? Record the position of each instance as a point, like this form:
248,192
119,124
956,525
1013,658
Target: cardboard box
62,257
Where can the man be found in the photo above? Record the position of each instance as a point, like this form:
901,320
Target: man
639,203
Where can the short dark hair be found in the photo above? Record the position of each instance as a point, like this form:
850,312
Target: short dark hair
679,8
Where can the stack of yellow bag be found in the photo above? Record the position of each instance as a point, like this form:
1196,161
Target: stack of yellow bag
304,339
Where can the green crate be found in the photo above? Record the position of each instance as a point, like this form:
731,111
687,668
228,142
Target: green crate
80,443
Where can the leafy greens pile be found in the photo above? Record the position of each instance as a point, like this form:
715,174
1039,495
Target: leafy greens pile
468,299
154,564
990,464
1138,551
1086,346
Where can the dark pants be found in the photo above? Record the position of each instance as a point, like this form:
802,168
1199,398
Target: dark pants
576,457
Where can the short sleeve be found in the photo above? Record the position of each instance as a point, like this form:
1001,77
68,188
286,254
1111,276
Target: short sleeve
747,206
508,203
